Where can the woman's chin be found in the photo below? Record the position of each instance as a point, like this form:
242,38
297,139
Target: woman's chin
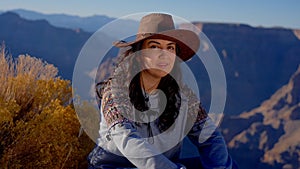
159,72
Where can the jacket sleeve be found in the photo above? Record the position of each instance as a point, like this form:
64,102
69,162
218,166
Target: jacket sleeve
136,149
210,144
127,139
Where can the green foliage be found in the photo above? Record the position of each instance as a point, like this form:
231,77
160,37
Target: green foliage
38,125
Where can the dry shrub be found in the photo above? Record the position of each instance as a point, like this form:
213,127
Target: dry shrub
38,125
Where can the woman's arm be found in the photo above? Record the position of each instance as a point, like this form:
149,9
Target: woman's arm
136,149
211,145
203,133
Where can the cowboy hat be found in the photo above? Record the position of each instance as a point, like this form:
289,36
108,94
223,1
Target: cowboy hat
161,26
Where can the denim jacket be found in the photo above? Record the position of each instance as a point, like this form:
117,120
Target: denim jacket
146,147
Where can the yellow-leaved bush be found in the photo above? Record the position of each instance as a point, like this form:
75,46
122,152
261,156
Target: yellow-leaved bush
38,125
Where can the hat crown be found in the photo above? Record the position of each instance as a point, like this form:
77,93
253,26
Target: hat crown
155,23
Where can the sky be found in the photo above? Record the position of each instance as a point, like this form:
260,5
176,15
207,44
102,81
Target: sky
266,13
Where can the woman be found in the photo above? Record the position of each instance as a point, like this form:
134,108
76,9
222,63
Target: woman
146,110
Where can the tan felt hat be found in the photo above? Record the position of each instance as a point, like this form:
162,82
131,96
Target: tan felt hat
161,26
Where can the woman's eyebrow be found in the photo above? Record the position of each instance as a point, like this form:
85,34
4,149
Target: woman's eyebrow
153,42
171,43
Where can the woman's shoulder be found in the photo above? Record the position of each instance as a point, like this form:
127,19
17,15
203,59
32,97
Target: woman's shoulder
188,93
112,86
195,108
115,102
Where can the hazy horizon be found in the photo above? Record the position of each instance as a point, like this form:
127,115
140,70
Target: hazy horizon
255,13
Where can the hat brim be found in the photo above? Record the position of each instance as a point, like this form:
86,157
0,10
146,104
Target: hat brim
188,41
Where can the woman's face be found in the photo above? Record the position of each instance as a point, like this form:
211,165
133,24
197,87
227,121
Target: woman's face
157,57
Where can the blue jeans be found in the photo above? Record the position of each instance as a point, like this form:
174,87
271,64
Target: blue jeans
101,159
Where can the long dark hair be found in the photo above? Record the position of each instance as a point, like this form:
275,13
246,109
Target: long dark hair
168,84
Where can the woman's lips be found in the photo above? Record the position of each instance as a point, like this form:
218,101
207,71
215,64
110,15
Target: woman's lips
163,65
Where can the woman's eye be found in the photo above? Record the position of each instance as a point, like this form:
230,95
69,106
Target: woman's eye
171,48
154,47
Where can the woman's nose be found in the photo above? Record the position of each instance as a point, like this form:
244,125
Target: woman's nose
164,53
